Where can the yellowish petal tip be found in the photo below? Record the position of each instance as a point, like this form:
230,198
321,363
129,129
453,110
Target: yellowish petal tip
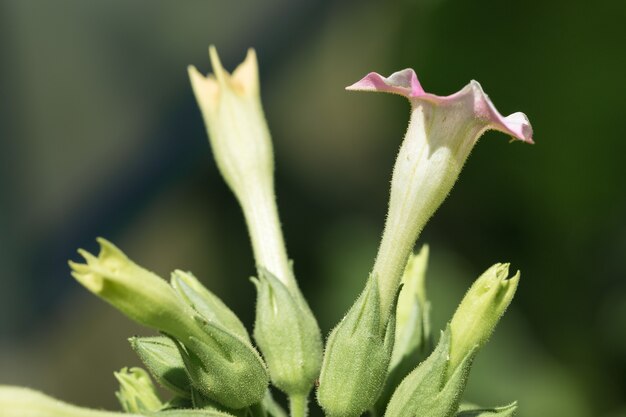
193,72
246,75
220,73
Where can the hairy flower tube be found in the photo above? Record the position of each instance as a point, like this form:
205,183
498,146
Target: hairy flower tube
242,148
441,133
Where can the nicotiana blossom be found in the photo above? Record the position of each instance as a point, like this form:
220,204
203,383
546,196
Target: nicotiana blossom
441,133
242,147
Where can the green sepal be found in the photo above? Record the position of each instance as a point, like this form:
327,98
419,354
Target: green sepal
427,391
137,393
162,358
224,367
201,401
358,352
412,335
506,411
413,341
205,303
287,334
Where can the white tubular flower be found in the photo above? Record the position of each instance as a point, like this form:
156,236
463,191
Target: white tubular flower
242,147
441,133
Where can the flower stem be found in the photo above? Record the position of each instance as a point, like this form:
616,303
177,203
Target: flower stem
298,406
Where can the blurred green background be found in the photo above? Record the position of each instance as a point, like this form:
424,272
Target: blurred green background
100,136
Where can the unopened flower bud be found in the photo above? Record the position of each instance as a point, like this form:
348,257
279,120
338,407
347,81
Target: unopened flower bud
137,394
412,341
481,309
160,355
287,335
136,292
224,367
413,312
229,369
205,303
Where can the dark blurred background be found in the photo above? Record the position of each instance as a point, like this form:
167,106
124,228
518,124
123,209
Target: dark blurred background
100,136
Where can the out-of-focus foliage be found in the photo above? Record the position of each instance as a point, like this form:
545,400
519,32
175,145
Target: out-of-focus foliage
100,135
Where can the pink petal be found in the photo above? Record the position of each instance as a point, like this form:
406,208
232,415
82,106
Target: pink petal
405,83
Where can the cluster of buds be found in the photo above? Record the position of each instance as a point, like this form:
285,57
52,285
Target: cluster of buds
380,357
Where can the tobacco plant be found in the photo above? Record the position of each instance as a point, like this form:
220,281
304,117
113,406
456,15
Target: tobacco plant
381,359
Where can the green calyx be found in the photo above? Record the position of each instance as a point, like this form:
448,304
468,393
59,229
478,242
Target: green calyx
358,352
205,303
287,335
224,367
427,391
161,356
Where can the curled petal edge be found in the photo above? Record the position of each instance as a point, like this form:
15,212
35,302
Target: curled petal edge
406,83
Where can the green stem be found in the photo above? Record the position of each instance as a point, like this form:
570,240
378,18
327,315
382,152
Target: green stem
298,406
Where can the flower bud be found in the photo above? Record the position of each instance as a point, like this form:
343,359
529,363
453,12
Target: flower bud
205,303
357,357
427,391
441,133
413,312
160,355
506,411
412,337
137,394
224,367
288,336
481,309
136,292
228,370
